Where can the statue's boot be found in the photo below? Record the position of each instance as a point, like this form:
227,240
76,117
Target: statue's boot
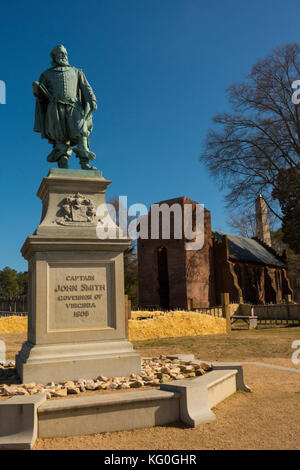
52,157
63,162
85,164
61,153
84,154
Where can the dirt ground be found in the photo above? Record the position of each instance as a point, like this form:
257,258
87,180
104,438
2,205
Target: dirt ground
267,418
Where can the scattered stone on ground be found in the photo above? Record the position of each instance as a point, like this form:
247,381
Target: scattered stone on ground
154,371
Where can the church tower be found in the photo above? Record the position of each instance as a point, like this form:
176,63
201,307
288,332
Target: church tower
262,223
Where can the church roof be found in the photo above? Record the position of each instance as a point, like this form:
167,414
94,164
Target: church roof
249,249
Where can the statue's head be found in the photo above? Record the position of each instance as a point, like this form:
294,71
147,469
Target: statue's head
59,55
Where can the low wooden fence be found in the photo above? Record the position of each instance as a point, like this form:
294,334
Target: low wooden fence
213,311
271,313
14,305
274,313
156,311
15,314
266,314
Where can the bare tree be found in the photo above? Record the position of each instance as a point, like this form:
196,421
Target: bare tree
243,222
261,136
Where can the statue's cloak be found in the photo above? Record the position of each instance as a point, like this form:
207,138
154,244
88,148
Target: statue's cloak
64,98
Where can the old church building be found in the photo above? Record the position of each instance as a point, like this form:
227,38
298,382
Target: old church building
170,276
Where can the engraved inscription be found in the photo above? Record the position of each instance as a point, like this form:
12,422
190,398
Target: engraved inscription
79,297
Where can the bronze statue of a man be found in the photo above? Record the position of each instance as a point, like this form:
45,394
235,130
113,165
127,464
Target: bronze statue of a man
65,101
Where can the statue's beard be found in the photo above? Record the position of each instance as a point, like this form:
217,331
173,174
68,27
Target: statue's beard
62,61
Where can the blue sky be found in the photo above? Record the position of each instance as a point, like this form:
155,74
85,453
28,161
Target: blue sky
159,69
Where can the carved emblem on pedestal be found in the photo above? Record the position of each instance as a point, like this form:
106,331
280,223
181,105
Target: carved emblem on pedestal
76,210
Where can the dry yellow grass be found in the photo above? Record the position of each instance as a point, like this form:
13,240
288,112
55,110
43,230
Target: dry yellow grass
174,324
13,324
177,323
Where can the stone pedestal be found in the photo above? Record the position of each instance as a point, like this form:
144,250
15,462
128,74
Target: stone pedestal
77,325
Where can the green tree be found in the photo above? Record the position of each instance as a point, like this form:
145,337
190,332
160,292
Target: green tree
287,193
130,260
293,259
12,283
131,274
23,282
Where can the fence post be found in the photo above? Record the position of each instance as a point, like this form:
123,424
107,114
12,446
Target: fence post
127,313
226,310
